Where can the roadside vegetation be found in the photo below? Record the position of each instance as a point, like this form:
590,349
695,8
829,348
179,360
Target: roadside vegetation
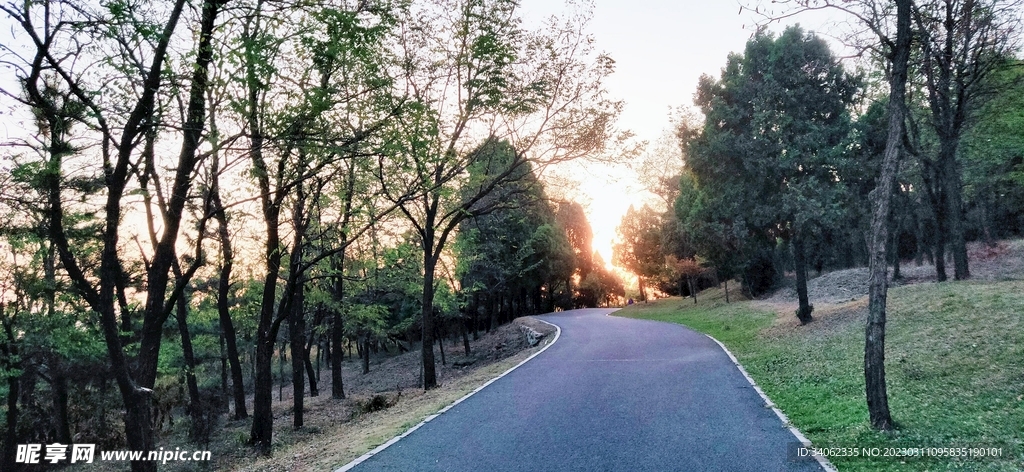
380,405
955,357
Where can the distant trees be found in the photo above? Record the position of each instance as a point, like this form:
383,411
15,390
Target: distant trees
639,249
992,159
588,283
961,44
513,257
474,74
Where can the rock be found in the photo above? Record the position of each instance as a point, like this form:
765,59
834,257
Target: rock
532,336
463,362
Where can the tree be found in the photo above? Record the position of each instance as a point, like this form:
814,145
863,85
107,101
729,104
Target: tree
475,75
709,229
688,270
992,154
513,252
774,126
961,44
874,343
55,30
639,249
304,120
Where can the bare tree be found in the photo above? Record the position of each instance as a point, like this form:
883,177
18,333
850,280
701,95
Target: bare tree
962,42
474,76
889,26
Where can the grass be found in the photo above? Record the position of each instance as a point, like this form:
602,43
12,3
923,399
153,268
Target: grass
954,367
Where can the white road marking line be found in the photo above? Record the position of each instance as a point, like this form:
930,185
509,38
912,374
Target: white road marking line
823,461
378,449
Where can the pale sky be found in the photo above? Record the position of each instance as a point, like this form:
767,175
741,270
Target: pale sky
661,48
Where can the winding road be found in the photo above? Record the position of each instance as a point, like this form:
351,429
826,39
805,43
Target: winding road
611,394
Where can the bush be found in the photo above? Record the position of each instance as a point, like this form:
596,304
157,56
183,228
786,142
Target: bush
760,274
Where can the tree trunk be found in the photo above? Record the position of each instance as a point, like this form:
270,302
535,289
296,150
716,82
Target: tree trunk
492,312
227,326
60,407
465,336
440,344
338,325
297,335
727,291
954,199
366,354
474,316
429,264
12,363
224,395
262,431
281,357
194,409
11,438
896,223
933,178
338,331
803,312
895,257
311,373
919,243
874,333
986,218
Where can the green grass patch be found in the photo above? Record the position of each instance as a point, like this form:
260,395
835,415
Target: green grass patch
954,367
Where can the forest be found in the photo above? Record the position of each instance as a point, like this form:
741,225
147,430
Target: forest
195,192
737,210
203,189
796,163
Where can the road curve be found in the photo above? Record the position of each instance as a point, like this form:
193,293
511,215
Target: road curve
611,394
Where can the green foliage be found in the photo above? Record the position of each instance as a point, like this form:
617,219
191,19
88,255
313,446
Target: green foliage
767,164
384,296
639,248
992,155
517,245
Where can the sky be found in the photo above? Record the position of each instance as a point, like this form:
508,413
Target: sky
661,48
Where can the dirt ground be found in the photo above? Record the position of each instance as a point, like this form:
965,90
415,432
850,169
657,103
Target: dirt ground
336,432
1003,261
842,294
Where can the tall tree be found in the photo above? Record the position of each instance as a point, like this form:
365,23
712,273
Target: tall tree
473,72
774,125
962,42
639,248
53,29
708,227
898,48
303,123
516,252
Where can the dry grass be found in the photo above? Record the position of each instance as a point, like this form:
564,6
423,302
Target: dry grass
338,444
338,431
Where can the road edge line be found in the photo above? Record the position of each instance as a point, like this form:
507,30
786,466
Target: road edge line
378,449
822,460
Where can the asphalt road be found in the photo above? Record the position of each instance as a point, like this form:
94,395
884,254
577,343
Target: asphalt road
611,394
